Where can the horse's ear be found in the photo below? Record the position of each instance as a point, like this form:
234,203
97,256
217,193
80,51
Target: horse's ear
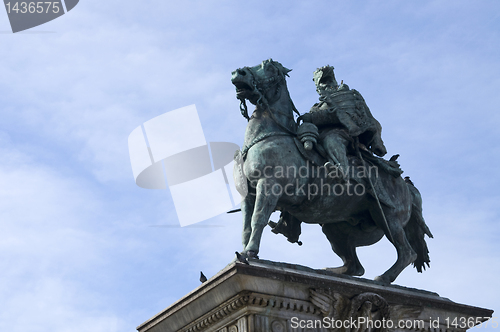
286,71
282,68
278,65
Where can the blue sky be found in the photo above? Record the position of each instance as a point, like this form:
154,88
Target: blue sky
81,246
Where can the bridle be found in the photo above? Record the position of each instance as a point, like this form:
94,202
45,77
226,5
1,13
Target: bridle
259,85
263,103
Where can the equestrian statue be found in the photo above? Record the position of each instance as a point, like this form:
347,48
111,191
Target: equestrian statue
323,167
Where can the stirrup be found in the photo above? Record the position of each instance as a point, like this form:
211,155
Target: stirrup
331,166
335,168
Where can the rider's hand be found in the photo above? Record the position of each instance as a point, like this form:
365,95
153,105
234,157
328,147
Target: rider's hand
379,149
306,117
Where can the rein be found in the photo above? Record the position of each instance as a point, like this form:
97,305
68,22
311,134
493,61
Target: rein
259,138
259,86
263,103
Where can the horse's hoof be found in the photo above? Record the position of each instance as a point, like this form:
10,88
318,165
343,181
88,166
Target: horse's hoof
358,272
337,270
383,280
252,254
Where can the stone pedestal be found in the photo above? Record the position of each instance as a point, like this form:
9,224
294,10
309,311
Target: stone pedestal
278,297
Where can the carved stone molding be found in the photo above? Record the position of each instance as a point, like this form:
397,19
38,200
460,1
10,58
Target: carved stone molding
272,297
250,302
278,326
338,307
218,314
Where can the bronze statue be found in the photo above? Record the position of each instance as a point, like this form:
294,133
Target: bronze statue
342,117
282,166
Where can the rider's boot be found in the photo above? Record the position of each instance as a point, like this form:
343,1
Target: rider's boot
336,149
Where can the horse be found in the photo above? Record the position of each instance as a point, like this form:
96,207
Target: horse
347,220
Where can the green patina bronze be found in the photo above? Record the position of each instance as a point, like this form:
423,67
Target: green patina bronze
323,171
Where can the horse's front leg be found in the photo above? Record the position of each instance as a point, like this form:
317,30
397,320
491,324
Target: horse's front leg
265,203
247,207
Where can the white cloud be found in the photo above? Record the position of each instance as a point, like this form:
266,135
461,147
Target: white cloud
45,248
74,228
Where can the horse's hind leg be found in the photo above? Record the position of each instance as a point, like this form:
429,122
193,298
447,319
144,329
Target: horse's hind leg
340,235
406,255
265,203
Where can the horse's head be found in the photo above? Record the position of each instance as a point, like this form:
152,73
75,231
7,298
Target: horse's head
260,84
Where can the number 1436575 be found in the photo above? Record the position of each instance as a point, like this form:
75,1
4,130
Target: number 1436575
33,7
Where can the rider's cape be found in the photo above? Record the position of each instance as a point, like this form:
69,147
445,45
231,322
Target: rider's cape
347,108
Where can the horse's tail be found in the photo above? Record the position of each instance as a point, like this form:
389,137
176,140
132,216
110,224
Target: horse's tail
416,229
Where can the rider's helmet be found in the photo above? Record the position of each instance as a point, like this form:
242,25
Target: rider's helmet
325,81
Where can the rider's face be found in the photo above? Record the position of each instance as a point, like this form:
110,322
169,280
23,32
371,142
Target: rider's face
326,87
325,84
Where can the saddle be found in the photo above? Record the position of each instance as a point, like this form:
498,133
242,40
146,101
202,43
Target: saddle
289,226
357,172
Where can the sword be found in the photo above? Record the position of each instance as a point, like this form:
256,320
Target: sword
385,225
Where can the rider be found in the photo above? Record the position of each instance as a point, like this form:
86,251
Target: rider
343,118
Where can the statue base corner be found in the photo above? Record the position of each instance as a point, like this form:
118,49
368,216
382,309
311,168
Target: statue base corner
267,296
